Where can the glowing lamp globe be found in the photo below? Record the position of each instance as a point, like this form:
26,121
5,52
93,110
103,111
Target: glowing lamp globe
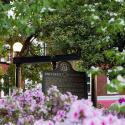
17,47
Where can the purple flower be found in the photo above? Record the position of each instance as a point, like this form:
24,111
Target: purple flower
32,107
121,100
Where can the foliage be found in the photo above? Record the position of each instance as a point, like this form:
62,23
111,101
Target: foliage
19,20
118,107
1,71
88,27
117,73
29,70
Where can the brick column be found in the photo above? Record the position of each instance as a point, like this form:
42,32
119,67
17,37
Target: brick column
101,84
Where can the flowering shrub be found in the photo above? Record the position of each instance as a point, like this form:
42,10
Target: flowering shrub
32,107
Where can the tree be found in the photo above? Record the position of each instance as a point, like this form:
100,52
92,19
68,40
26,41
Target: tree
21,20
91,27
96,30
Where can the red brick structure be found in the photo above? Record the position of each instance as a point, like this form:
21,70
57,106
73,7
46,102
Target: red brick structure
102,81
101,85
104,97
4,67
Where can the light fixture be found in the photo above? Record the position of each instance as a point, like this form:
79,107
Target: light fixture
17,47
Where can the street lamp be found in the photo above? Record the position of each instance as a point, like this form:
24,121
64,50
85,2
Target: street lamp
17,48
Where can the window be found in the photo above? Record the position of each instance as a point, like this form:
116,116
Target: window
89,84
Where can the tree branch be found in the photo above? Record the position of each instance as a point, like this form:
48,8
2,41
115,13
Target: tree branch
28,42
6,1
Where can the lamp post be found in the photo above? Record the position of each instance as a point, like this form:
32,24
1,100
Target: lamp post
17,48
94,91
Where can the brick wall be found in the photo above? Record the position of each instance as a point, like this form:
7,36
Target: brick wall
101,85
4,67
